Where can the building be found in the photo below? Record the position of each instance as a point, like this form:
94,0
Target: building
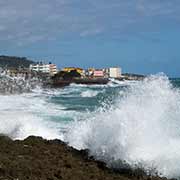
69,69
53,69
98,73
89,72
44,68
114,72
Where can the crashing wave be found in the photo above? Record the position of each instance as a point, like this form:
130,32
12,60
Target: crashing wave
140,129
15,85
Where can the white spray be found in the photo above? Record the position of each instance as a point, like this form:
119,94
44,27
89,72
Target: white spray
142,128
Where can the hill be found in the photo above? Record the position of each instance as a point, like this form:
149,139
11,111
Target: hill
14,62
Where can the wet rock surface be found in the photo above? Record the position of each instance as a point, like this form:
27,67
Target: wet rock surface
37,159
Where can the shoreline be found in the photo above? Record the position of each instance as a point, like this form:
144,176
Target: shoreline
38,159
86,81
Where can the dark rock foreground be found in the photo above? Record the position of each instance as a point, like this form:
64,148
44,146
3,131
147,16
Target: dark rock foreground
37,159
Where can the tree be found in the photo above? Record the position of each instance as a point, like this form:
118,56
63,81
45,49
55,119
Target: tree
67,75
72,74
14,62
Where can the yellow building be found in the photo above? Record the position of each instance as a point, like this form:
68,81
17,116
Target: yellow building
68,69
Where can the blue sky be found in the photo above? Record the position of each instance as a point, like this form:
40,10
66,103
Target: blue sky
141,36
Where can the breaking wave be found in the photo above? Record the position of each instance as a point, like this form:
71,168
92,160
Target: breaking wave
89,93
140,126
141,129
25,115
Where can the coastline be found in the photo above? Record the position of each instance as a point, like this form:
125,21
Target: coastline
38,159
86,81
55,83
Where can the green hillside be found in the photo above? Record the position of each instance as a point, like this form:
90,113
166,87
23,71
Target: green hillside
14,62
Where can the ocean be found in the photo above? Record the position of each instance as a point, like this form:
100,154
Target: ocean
131,122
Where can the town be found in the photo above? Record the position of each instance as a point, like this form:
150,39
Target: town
50,75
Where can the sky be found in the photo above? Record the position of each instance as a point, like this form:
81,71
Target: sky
141,36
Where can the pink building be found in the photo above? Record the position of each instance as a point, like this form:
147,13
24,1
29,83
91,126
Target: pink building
98,73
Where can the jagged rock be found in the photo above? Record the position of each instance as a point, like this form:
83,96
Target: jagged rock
39,159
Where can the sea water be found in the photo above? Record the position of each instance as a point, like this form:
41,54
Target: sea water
137,123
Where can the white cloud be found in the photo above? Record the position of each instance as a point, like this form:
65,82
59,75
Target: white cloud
36,20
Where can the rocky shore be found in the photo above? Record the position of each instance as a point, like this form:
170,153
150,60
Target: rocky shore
37,159
85,81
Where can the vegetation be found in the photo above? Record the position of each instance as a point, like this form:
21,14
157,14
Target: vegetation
67,75
14,62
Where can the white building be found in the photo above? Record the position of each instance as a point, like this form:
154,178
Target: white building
44,68
114,72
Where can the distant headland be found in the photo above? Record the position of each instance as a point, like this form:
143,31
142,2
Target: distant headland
15,62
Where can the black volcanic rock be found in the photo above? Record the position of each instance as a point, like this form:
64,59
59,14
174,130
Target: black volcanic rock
37,159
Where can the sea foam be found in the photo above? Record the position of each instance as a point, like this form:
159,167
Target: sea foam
141,129
89,93
24,115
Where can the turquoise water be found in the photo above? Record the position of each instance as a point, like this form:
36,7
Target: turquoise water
79,102
82,99
175,82
136,122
